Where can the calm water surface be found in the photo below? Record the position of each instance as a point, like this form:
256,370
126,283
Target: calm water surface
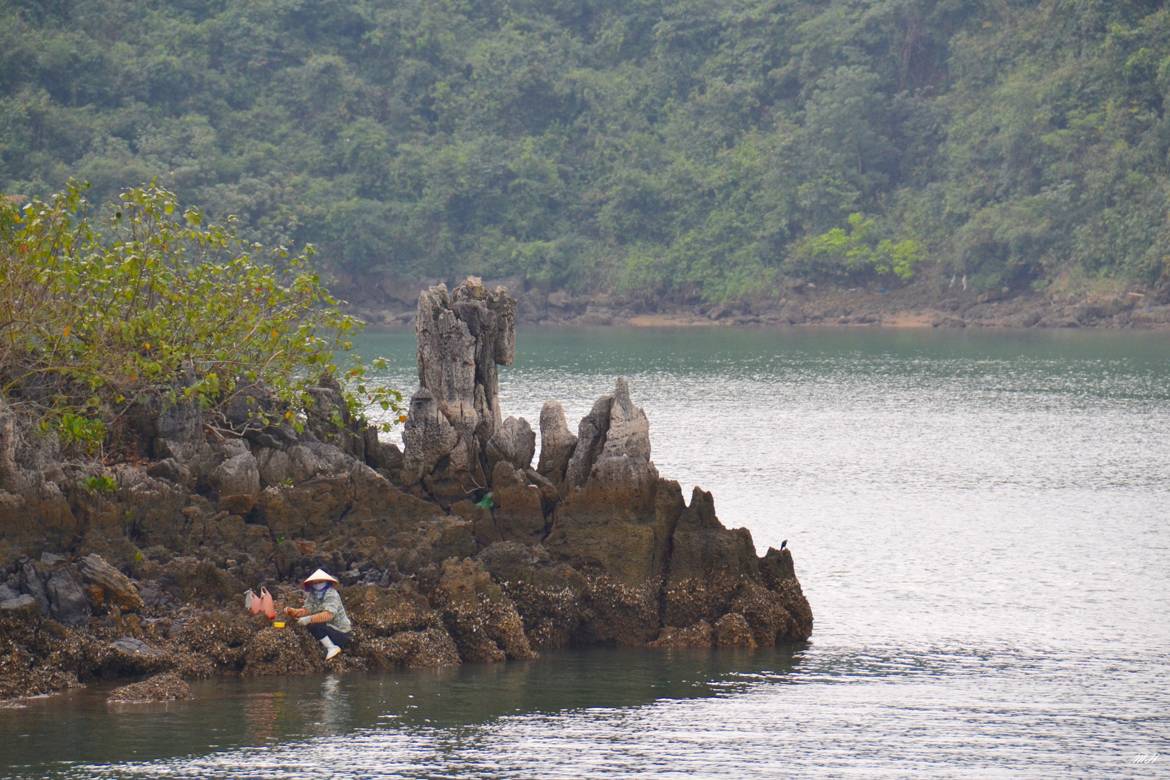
980,521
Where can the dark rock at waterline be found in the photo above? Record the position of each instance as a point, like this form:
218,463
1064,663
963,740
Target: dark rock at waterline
431,648
549,596
478,614
733,630
37,655
697,635
281,651
127,656
709,563
161,687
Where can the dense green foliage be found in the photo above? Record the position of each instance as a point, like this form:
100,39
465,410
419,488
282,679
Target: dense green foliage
159,307
697,149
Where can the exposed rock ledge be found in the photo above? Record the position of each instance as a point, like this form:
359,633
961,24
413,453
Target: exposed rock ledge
589,545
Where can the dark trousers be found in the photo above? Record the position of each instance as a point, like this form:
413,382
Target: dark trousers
322,630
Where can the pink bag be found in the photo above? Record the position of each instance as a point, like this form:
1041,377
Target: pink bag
266,605
252,602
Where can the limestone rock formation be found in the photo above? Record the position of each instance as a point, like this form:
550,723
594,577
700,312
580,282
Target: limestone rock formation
513,442
458,549
616,517
462,337
556,442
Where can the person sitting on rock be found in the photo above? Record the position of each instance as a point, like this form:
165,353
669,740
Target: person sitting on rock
323,613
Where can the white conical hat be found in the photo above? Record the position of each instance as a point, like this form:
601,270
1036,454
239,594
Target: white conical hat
320,576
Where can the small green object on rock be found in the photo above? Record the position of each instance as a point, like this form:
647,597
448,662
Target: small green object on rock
485,502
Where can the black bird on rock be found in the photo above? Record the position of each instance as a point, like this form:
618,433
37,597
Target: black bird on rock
783,544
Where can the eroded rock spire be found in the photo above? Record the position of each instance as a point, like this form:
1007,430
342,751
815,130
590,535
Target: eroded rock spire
462,336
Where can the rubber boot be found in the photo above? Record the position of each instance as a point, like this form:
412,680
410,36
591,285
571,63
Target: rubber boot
330,649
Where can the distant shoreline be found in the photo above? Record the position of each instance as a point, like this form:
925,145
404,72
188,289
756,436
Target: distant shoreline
902,309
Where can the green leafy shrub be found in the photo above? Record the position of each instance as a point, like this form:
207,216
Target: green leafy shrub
856,253
157,306
100,483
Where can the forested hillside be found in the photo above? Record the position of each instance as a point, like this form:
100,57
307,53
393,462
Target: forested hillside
695,148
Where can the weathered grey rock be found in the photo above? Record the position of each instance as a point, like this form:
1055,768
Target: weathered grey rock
171,470
300,462
382,456
42,517
616,517
67,601
329,419
613,442
625,451
590,442
629,430
179,421
154,508
462,337
10,472
109,587
22,602
514,443
133,646
31,583
556,442
428,437
129,655
237,479
446,355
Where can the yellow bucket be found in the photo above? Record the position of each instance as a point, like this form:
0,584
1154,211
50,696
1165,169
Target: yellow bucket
278,624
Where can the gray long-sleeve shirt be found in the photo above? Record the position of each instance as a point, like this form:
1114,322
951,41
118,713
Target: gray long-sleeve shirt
329,601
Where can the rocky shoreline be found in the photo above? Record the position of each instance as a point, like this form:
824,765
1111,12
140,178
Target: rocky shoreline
389,302
456,549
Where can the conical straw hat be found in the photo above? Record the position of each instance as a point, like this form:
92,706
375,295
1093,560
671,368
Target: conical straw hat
320,576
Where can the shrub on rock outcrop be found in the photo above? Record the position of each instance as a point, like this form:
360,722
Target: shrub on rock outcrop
165,307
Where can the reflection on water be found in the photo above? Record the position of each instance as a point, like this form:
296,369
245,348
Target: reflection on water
235,714
979,521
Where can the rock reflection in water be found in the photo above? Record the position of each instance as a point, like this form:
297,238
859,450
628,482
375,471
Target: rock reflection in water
238,716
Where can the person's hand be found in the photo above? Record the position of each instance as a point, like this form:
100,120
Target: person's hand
306,620
291,611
